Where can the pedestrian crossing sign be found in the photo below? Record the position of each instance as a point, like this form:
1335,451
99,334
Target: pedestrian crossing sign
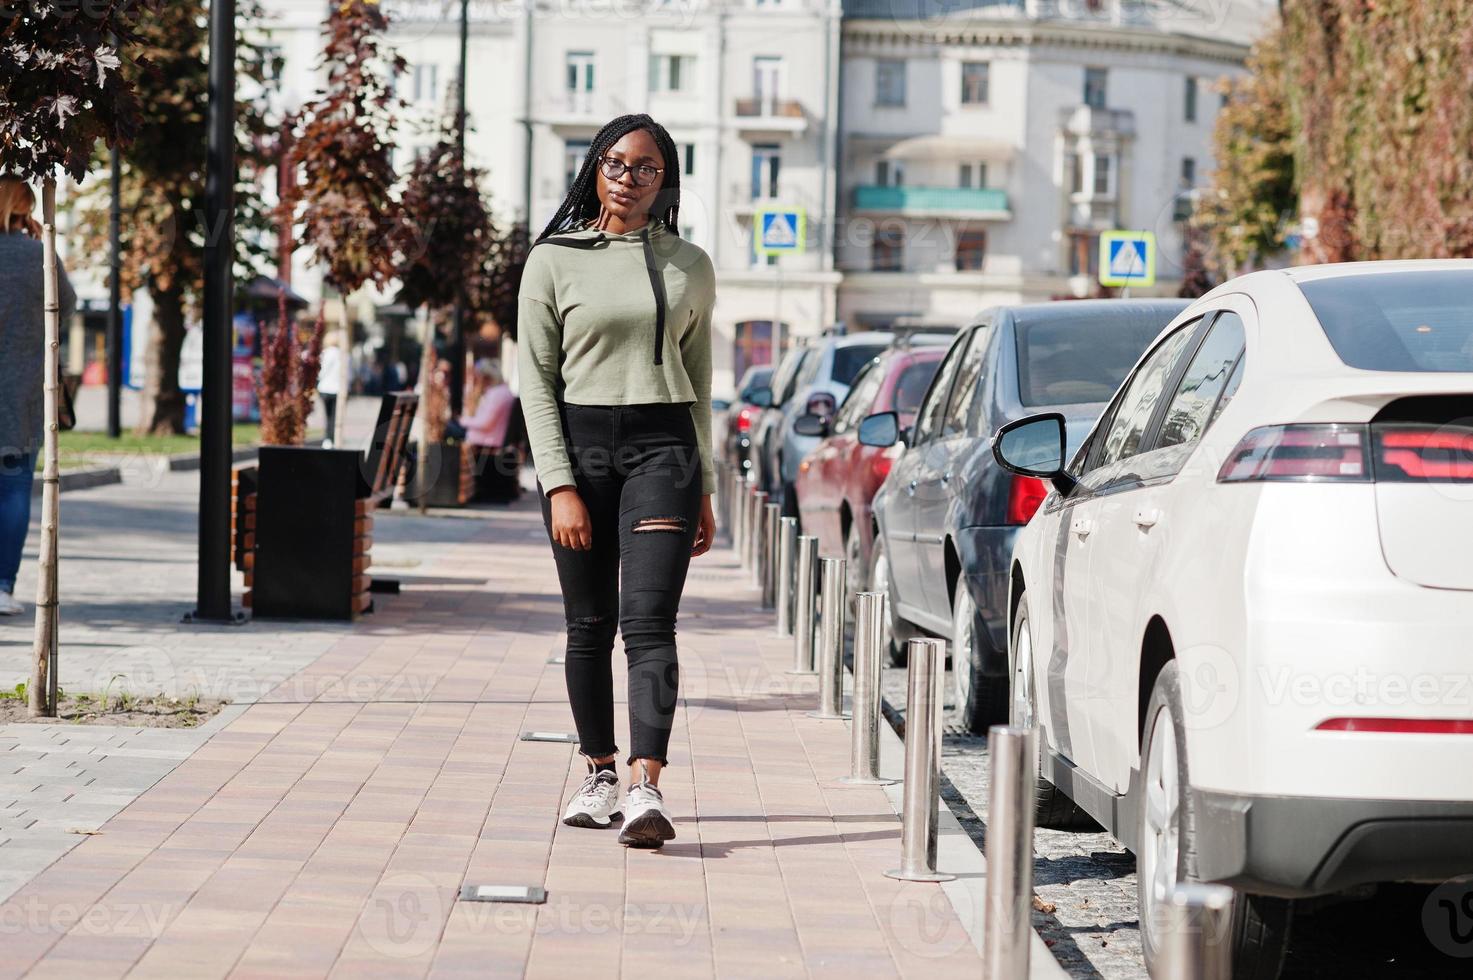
1127,258
780,231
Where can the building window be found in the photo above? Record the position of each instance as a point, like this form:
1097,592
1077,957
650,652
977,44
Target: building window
971,249
890,82
1094,87
974,82
972,175
671,72
580,80
1102,175
889,173
887,251
766,161
1191,99
1084,253
1189,171
689,152
767,81
1076,174
573,153
426,82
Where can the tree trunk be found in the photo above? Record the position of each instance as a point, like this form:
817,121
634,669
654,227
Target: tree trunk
42,693
163,402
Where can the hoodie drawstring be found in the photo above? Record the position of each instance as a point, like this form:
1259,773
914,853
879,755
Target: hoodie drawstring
657,282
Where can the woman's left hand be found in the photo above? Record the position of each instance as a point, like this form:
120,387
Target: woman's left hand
705,528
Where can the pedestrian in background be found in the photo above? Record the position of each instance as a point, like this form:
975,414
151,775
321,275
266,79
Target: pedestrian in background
328,375
22,370
614,362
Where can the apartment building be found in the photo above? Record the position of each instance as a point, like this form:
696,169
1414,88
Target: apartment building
987,143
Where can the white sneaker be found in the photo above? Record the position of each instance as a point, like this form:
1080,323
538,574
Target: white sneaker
646,824
596,803
9,605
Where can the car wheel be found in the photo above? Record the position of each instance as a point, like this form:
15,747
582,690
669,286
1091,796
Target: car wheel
980,700
1168,847
879,578
789,501
1052,807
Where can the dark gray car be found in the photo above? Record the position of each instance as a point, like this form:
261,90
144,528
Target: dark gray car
947,514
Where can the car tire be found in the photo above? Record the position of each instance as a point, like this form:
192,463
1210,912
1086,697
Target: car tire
1167,835
879,577
980,700
1052,807
789,501
856,571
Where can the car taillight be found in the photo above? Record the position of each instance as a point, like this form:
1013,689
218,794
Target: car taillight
820,404
1404,726
880,463
1417,453
1302,452
744,419
1025,496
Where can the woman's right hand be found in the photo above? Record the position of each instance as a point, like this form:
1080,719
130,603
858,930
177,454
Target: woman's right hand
571,527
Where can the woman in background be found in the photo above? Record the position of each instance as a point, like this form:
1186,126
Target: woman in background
22,370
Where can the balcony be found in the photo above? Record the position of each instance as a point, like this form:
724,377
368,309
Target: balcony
1084,120
934,202
767,117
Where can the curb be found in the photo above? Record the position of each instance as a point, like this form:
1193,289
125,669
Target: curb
184,462
82,479
956,853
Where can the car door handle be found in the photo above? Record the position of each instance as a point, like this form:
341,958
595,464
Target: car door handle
1146,518
1082,526
945,477
910,487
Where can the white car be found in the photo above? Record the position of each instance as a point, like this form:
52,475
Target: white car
1243,616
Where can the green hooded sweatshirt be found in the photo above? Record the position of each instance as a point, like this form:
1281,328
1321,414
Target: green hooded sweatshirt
606,319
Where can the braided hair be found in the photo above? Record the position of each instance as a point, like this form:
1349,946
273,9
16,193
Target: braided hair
582,203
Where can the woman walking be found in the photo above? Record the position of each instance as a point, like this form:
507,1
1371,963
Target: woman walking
614,360
22,370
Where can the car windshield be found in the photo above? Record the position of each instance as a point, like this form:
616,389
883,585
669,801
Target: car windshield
755,379
1075,360
1398,321
911,386
848,360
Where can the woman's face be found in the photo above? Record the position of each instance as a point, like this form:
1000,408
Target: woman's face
624,198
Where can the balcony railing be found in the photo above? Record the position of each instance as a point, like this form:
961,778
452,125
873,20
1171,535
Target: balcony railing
933,201
775,108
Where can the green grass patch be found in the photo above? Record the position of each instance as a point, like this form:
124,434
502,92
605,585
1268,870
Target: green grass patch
80,448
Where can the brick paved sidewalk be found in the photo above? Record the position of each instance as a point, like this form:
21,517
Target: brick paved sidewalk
326,830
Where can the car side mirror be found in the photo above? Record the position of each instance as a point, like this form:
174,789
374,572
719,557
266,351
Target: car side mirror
1034,446
880,429
761,397
809,424
720,404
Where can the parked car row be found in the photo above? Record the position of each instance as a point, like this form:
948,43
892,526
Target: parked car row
1217,551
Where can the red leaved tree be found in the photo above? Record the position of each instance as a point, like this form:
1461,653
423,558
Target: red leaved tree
343,142
288,380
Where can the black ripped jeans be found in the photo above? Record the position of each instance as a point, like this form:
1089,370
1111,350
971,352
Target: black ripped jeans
637,468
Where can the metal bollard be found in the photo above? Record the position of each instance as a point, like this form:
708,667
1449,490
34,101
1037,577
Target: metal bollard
769,548
787,554
739,522
864,759
920,802
830,640
1009,896
754,533
804,582
1197,940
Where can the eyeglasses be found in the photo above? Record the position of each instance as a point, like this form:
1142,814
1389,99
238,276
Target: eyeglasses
644,174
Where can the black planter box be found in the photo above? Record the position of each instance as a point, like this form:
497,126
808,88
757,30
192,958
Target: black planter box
314,528
451,479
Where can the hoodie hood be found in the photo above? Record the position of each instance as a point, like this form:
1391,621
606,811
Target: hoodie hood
643,237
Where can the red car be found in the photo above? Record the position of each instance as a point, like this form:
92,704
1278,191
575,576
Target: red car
837,480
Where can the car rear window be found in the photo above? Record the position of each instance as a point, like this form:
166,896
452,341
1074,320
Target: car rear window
1397,321
848,360
1072,361
911,386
